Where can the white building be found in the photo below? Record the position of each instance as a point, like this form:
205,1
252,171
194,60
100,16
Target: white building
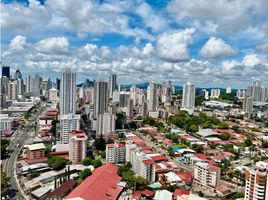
68,123
115,153
112,85
215,93
77,146
228,90
188,96
151,96
101,97
12,90
142,164
105,124
205,94
240,94
129,112
248,106
53,95
206,174
144,109
6,123
68,92
257,182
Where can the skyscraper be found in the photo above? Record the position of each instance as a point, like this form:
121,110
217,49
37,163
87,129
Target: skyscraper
130,108
112,84
188,96
68,92
257,91
6,71
248,106
17,74
152,98
100,97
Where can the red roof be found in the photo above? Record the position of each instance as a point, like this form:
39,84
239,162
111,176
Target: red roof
201,156
148,162
77,132
214,168
101,185
159,158
186,177
59,152
112,145
45,118
63,190
37,160
148,193
179,192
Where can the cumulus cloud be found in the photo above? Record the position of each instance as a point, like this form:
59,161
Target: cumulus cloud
229,15
216,48
18,43
53,45
174,47
251,60
263,47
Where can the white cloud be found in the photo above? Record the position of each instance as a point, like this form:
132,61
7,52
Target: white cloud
53,45
263,47
229,15
174,47
251,60
216,48
18,43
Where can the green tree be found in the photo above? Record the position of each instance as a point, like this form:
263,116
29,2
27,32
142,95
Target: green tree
193,128
4,182
4,144
225,136
56,163
197,148
85,173
100,144
96,163
223,125
86,161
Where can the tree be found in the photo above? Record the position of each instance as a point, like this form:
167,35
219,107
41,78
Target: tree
193,128
248,142
4,182
225,136
149,120
223,125
100,144
85,173
96,163
56,163
86,161
197,148
4,144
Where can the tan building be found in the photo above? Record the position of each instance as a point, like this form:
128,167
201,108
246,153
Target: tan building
77,146
207,175
35,151
115,153
257,182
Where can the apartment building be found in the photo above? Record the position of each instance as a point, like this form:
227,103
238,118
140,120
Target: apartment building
257,182
115,153
35,151
77,146
206,174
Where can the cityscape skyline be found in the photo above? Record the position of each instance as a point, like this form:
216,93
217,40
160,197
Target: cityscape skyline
144,41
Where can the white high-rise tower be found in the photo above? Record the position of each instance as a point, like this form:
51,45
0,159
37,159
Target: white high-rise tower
152,99
112,85
100,97
188,96
68,92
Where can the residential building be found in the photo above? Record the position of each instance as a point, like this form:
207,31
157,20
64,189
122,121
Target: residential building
112,85
204,93
241,94
68,92
35,151
105,123
257,91
101,97
215,93
53,95
206,174
123,99
188,96
151,97
257,182
228,90
12,90
68,123
77,146
248,106
144,109
6,124
142,164
115,153
129,112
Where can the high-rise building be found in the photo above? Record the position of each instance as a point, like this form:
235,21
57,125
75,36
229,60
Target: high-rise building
248,106
68,92
68,123
20,86
36,85
188,96
6,71
130,108
207,175
144,109
12,90
151,96
215,93
115,153
123,99
53,95
257,91
228,90
112,85
105,124
17,75
101,99
58,84
204,93
241,94
257,182
4,85
77,146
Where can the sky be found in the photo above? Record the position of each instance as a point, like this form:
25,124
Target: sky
210,43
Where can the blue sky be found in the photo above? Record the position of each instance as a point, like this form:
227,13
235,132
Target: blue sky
211,43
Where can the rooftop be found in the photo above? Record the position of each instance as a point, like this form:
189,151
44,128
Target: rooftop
33,147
